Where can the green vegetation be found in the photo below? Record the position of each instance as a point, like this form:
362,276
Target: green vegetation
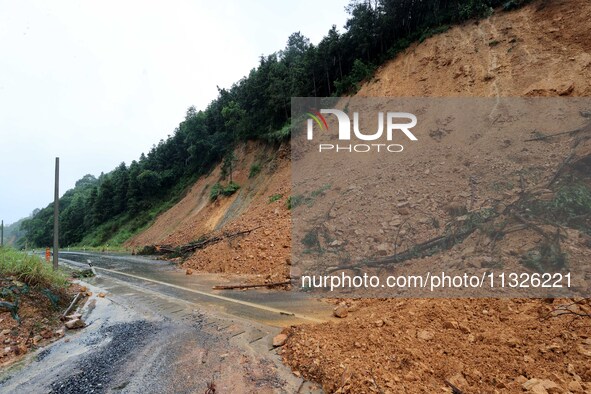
116,205
255,169
294,201
311,240
230,189
571,207
308,199
23,275
275,197
13,232
30,270
547,256
217,189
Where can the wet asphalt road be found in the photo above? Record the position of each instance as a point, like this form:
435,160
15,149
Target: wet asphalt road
271,307
160,331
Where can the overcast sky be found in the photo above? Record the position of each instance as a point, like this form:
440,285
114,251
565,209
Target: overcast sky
98,82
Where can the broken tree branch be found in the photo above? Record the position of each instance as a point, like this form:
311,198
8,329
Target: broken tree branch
580,308
233,287
583,129
201,244
454,389
529,224
419,250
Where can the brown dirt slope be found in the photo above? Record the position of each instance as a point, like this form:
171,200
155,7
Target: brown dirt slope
541,50
260,204
39,320
479,345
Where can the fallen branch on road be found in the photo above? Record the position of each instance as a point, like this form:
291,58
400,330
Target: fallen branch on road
201,243
233,287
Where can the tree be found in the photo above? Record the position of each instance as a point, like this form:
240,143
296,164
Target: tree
227,165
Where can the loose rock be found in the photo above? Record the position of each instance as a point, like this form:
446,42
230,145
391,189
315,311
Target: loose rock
75,324
279,340
340,311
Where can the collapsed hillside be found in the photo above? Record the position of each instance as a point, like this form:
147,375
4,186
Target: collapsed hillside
413,346
260,205
477,345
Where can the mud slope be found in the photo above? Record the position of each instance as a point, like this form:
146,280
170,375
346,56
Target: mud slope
540,50
479,345
260,205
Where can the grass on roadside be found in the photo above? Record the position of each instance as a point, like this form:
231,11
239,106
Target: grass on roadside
31,270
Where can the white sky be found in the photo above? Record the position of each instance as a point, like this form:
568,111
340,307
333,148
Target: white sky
98,82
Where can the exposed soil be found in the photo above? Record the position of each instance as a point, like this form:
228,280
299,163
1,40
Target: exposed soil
543,49
479,345
414,346
259,204
265,251
39,323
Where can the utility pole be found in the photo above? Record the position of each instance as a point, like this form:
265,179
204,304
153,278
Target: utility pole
56,210
2,234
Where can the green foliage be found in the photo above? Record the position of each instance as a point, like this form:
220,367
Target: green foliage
275,197
255,169
230,189
311,239
545,258
228,165
320,191
571,206
280,135
13,233
571,201
308,198
514,4
432,31
294,201
359,73
30,270
217,189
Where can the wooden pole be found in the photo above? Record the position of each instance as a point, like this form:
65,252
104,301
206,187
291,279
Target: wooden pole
56,210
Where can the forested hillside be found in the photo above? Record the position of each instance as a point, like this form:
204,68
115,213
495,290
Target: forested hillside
13,232
115,205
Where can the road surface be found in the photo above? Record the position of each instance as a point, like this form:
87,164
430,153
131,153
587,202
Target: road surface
161,331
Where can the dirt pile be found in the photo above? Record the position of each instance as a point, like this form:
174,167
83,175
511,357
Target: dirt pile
412,345
415,346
